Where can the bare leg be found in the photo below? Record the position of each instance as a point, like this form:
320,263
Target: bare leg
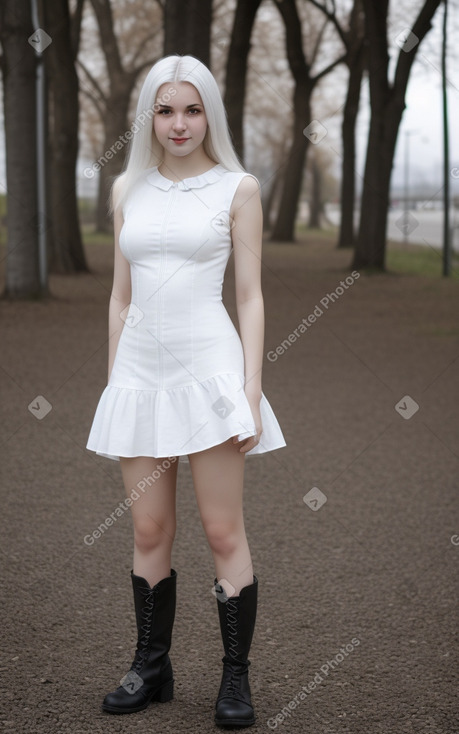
218,478
153,514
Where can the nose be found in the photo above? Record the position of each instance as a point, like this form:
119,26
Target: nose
179,122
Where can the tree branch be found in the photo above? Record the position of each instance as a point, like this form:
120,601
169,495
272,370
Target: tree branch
293,40
93,81
94,100
141,46
421,27
330,68
143,65
75,27
317,43
103,12
331,15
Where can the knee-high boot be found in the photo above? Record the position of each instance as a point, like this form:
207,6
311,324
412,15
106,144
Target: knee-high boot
150,676
237,616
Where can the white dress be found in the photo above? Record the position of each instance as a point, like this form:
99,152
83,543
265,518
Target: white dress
177,382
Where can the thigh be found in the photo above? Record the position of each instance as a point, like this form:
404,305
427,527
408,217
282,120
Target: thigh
151,483
218,478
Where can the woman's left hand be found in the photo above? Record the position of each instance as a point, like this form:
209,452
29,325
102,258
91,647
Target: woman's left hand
247,444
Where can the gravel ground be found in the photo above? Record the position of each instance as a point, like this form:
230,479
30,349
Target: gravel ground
350,525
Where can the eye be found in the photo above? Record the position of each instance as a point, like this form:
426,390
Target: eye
163,112
195,110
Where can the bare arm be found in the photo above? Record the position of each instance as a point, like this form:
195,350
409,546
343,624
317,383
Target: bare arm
247,243
121,290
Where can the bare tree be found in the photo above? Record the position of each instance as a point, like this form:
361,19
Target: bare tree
352,36
123,71
65,244
236,69
305,83
387,105
18,65
354,40
316,204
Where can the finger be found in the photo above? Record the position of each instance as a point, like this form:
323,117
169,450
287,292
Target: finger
249,444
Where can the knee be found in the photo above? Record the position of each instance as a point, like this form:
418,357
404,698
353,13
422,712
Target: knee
224,538
150,535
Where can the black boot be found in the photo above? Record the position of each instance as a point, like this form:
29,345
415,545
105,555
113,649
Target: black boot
237,616
150,677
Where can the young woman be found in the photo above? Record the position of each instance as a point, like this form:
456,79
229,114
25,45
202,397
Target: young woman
182,384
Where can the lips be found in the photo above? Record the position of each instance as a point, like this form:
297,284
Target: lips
179,140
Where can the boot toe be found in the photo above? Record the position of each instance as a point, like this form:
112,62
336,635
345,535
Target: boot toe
113,701
230,712
121,702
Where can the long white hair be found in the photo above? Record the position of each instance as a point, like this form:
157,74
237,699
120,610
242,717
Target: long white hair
145,151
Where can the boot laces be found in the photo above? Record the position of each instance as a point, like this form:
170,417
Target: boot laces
143,650
232,684
233,665
231,622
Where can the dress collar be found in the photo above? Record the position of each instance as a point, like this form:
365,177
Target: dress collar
194,182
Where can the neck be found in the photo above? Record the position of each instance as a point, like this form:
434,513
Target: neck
177,168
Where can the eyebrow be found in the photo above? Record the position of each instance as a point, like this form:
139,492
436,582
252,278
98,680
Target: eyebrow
168,107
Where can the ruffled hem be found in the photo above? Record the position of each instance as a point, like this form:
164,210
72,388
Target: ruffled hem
179,421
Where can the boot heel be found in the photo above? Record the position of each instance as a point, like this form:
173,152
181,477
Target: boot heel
166,693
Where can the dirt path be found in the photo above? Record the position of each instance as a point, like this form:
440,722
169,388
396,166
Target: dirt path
357,577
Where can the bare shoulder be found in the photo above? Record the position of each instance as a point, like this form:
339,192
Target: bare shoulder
247,192
248,186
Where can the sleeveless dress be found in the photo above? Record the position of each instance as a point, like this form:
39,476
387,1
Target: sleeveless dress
177,382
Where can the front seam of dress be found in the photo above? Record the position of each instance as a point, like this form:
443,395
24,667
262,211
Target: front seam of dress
133,273
163,251
192,334
136,365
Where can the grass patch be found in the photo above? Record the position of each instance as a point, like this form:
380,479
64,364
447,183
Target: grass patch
91,237
417,260
305,233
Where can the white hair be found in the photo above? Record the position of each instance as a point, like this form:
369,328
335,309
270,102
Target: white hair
145,151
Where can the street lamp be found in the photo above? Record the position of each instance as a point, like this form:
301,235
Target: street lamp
40,86
406,213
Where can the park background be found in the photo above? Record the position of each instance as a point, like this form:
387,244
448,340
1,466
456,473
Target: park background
352,525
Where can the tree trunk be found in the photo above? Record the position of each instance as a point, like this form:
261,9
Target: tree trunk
387,105
18,67
236,70
371,243
351,111
66,251
316,204
121,84
112,164
284,227
187,28
268,202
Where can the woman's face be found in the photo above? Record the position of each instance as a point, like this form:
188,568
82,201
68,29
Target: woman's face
180,123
